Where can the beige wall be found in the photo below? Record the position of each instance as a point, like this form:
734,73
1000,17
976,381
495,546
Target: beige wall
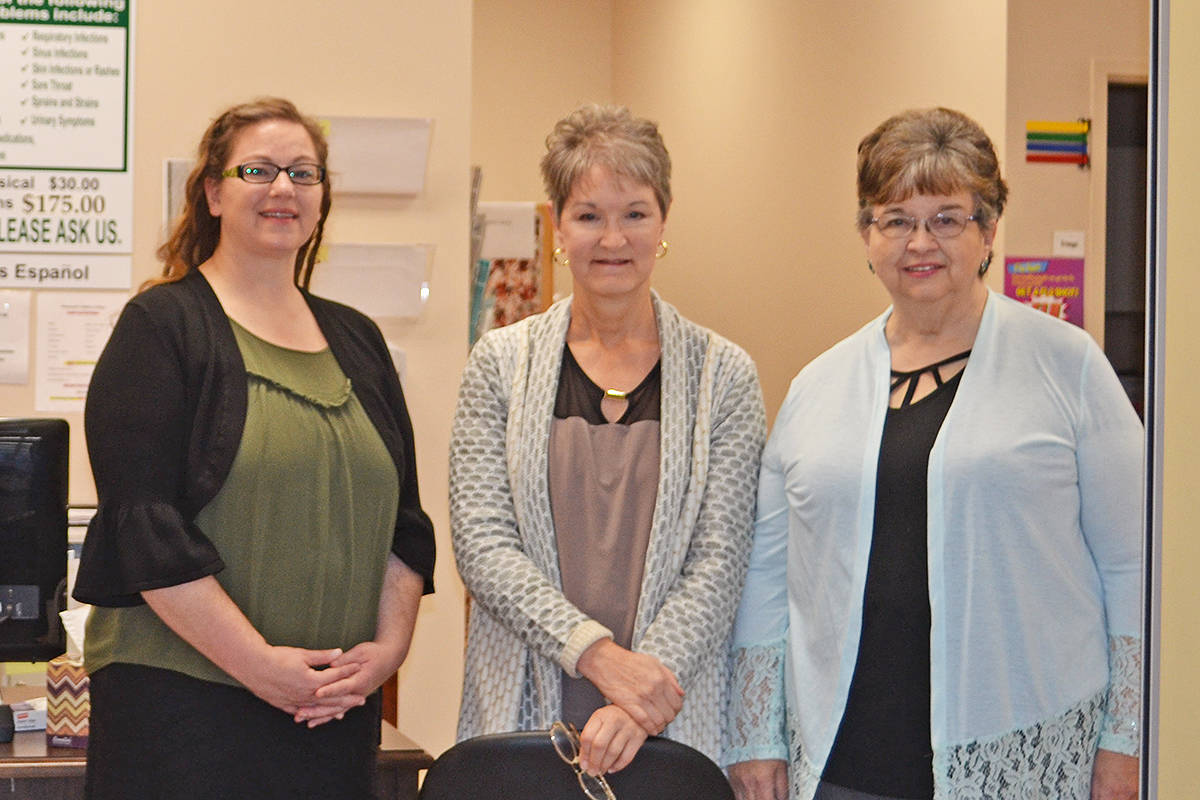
534,62
1180,657
744,92
400,58
762,105
1054,49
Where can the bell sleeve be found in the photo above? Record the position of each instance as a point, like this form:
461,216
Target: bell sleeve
137,424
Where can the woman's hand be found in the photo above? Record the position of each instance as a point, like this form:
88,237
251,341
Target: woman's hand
288,678
759,780
639,683
375,661
1114,776
609,741
205,617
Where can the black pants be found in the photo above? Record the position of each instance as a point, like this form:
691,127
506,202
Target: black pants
156,733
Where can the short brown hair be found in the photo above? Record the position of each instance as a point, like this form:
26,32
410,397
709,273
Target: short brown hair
195,233
929,151
608,136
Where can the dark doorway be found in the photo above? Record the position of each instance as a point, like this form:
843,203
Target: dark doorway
1125,238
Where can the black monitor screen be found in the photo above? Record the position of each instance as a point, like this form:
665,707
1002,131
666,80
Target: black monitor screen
33,537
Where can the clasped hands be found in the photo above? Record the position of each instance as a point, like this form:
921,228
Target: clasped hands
644,695
316,686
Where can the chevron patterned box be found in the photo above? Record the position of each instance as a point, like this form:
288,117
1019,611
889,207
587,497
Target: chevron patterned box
67,703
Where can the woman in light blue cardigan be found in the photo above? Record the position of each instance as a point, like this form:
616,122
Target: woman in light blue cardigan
944,590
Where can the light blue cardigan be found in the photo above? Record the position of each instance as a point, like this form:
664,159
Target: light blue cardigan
1034,552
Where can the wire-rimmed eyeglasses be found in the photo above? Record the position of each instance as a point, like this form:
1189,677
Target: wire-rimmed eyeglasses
304,173
943,225
565,739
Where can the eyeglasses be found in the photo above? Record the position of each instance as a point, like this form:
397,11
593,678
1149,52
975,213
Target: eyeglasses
304,174
565,739
943,225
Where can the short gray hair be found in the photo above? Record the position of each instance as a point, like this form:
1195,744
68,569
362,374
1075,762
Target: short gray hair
929,151
608,136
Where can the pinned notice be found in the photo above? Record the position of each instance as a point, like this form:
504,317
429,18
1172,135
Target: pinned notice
72,329
1051,285
14,336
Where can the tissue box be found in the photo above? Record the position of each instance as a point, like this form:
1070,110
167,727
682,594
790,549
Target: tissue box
67,703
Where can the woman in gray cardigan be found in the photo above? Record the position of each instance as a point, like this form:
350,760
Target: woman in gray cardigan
602,475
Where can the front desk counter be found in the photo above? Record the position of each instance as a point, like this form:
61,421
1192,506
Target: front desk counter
30,770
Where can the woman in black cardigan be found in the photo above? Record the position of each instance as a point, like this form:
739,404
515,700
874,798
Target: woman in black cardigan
259,549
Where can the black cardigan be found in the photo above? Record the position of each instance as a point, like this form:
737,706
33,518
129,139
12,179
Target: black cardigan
164,418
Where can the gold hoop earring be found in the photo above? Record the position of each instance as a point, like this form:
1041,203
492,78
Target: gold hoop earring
663,247
560,258
870,266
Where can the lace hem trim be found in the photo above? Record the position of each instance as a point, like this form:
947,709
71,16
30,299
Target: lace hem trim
1053,758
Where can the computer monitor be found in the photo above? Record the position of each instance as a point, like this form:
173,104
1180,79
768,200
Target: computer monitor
33,537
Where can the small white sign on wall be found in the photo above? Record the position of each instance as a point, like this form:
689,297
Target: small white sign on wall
1069,244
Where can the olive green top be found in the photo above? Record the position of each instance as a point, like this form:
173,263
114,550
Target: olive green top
304,521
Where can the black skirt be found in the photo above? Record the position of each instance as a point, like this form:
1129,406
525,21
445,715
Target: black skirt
156,733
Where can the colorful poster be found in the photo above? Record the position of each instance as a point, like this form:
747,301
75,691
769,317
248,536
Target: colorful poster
66,183
1052,285
506,284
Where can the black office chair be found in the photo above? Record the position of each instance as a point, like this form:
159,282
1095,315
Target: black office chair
524,766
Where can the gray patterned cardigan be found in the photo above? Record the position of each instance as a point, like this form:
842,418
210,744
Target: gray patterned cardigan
522,630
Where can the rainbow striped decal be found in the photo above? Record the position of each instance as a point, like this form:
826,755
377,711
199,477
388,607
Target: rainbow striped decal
68,703
1057,142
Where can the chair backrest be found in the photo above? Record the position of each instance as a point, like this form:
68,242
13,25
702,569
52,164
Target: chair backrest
524,766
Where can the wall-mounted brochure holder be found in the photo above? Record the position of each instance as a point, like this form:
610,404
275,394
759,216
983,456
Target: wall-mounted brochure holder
400,360
378,155
175,175
367,155
384,281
